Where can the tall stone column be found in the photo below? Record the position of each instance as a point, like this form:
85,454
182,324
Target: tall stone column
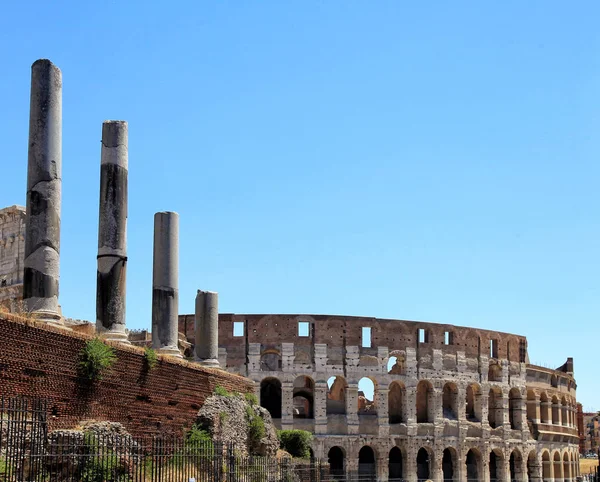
352,407
165,284
383,417
112,233
287,405
44,183
207,328
320,407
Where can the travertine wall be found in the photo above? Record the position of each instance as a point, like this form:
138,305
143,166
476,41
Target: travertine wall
451,393
12,253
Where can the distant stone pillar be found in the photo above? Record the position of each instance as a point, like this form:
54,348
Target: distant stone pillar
42,233
207,328
165,285
320,406
112,233
287,405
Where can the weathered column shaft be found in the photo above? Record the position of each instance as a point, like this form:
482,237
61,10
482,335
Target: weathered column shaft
42,236
165,285
207,328
112,232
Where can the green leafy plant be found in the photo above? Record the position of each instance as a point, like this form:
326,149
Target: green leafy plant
150,358
251,399
223,392
256,427
101,464
95,358
295,442
223,417
198,441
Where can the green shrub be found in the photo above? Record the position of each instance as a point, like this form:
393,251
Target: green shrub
101,464
223,417
251,399
295,442
95,358
198,441
219,390
150,358
256,427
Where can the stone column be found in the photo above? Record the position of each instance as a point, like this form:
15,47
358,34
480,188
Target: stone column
410,466
112,233
383,417
546,412
352,407
207,328
320,407
287,405
44,183
165,284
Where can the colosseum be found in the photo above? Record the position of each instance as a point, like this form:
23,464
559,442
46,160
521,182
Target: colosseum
446,402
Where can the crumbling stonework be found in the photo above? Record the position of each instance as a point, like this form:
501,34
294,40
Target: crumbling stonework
448,403
12,254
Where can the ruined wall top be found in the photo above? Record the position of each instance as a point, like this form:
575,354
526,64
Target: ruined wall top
12,246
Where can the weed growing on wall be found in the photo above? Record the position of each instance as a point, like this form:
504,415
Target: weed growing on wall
256,427
95,358
251,399
222,392
295,442
150,358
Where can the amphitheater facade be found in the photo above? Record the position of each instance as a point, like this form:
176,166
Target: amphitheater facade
445,403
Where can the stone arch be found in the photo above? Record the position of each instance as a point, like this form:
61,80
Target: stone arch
516,465
367,467
396,401
474,464
554,381
425,402
495,409
397,363
449,465
496,465
494,371
514,409
545,409
547,468
366,404
336,395
304,397
531,406
336,458
270,396
270,360
424,464
450,401
557,465
566,468
396,465
555,410
473,408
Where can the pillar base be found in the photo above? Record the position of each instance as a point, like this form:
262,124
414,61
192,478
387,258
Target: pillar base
170,351
51,318
209,362
115,336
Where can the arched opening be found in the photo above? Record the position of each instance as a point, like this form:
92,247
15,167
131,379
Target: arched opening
396,397
495,407
336,460
270,360
494,372
532,466
304,396
270,396
516,466
366,464
554,381
545,409
555,411
564,412
514,409
425,405
336,396
473,410
450,401
396,468
367,396
473,465
558,473
448,465
496,466
423,464
566,468
531,406
396,364
547,472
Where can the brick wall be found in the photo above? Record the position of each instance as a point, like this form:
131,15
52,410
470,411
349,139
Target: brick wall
40,361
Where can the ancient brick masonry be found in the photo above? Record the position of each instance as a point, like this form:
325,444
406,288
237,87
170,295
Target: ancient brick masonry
448,403
12,253
41,361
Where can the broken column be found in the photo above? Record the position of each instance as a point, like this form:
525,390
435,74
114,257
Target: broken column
207,328
165,285
112,233
44,165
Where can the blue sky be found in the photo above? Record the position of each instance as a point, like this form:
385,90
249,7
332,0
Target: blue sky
432,162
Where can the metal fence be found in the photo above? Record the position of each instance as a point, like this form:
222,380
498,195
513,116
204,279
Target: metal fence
28,452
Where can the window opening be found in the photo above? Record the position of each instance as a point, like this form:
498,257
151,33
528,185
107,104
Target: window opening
303,328
448,338
238,328
366,337
421,335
